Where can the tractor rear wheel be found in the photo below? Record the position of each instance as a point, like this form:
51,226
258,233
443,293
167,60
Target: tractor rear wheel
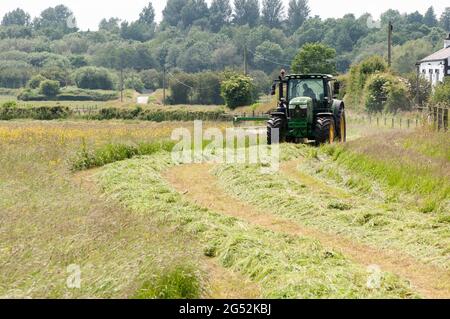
325,131
276,123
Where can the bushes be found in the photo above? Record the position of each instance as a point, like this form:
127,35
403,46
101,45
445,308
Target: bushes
357,78
49,88
134,82
442,93
237,91
69,94
94,78
158,115
9,112
384,92
35,81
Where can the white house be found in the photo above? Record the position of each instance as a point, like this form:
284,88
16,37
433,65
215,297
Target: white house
436,66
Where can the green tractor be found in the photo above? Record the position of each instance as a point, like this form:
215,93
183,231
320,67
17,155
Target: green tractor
307,110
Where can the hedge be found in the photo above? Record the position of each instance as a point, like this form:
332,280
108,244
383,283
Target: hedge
37,113
70,94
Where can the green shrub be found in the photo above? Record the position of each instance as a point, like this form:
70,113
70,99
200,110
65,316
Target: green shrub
39,113
180,86
358,76
49,88
35,81
384,92
237,91
442,93
31,95
181,282
135,83
10,104
94,78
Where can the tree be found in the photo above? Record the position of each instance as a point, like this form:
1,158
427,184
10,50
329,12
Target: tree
137,31
16,17
94,78
111,25
246,12
298,13
196,58
220,14
272,13
193,11
445,19
237,91
56,22
147,16
49,88
430,19
315,58
35,81
265,53
172,12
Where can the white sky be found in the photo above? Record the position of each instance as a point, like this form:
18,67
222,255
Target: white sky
90,12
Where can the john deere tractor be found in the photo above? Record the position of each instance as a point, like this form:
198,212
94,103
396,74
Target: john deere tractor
307,110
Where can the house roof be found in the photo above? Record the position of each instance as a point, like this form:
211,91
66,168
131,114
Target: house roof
437,56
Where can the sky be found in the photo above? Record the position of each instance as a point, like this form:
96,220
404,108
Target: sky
89,12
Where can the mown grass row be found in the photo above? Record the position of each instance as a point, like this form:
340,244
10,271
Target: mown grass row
365,214
285,266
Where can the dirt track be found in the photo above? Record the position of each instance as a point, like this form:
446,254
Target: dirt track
199,185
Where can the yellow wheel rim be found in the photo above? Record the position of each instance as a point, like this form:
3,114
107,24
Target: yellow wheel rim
332,134
343,129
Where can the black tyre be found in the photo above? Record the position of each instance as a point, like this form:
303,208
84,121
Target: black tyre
273,124
341,126
325,131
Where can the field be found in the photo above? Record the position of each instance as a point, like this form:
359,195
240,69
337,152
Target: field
368,219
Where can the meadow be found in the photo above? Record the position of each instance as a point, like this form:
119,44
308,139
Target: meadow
106,197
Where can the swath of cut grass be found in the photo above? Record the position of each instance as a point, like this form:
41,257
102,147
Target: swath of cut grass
285,266
369,220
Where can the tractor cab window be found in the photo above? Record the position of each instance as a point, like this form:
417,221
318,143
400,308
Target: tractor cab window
313,88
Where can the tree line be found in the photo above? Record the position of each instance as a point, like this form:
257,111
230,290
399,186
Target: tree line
194,37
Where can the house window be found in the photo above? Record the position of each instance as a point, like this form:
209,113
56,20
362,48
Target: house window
430,71
437,74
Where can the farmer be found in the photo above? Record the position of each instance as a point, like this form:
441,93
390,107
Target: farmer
307,91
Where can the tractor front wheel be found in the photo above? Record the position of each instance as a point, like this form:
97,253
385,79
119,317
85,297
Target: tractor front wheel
274,124
325,131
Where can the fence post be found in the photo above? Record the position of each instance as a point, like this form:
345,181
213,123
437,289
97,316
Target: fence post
393,123
408,123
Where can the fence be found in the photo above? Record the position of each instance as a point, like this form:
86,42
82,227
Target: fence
439,117
85,110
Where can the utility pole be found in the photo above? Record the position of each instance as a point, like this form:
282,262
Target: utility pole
390,29
121,84
164,85
245,60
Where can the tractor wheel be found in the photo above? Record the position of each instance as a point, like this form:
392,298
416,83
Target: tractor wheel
325,131
341,126
273,124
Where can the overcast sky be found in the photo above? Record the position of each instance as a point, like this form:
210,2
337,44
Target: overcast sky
89,12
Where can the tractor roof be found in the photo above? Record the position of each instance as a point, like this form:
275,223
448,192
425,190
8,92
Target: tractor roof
310,76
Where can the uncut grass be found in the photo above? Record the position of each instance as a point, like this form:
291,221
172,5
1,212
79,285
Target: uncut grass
48,221
368,214
284,266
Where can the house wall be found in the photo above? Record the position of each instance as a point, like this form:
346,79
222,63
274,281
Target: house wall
435,71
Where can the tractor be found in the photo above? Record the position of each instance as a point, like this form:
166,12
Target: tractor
307,110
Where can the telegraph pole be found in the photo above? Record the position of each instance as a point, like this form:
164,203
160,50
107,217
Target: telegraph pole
164,85
245,60
390,29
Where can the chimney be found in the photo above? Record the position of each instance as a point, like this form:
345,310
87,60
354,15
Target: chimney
447,42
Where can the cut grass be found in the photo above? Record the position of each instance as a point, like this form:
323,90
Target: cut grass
369,219
285,266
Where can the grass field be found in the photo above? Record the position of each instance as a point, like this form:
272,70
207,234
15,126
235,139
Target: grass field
143,227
